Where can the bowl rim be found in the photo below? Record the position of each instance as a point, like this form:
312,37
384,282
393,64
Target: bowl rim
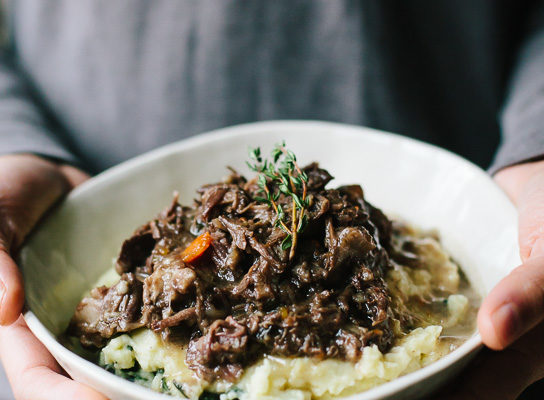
469,347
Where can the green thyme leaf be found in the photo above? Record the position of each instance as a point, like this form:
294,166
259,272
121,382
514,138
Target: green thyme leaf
282,175
286,243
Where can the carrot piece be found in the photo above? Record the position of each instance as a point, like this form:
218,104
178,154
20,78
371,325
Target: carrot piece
197,247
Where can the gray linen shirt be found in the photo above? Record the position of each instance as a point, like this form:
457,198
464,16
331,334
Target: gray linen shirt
94,82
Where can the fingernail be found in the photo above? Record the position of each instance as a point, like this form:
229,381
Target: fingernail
2,295
507,323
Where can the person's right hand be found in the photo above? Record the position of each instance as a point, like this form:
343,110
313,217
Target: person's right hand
29,186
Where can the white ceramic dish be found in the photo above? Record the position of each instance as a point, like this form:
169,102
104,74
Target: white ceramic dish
421,183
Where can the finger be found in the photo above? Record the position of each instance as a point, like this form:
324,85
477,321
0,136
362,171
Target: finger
33,373
514,306
29,186
74,176
11,289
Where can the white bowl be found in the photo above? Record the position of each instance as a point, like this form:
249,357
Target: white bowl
418,182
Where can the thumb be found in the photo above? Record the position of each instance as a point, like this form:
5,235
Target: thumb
11,288
514,306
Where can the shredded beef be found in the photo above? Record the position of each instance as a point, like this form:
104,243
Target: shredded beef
243,297
108,311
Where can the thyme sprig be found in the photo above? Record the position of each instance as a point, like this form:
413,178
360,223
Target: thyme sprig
282,175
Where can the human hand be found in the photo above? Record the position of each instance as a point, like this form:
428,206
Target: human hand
511,316
29,186
516,304
32,372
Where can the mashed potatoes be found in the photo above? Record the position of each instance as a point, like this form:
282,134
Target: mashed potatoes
142,356
274,377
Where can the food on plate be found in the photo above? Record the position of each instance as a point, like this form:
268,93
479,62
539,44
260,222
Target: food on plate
275,287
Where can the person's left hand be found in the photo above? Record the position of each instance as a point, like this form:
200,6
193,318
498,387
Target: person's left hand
29,186
511,316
